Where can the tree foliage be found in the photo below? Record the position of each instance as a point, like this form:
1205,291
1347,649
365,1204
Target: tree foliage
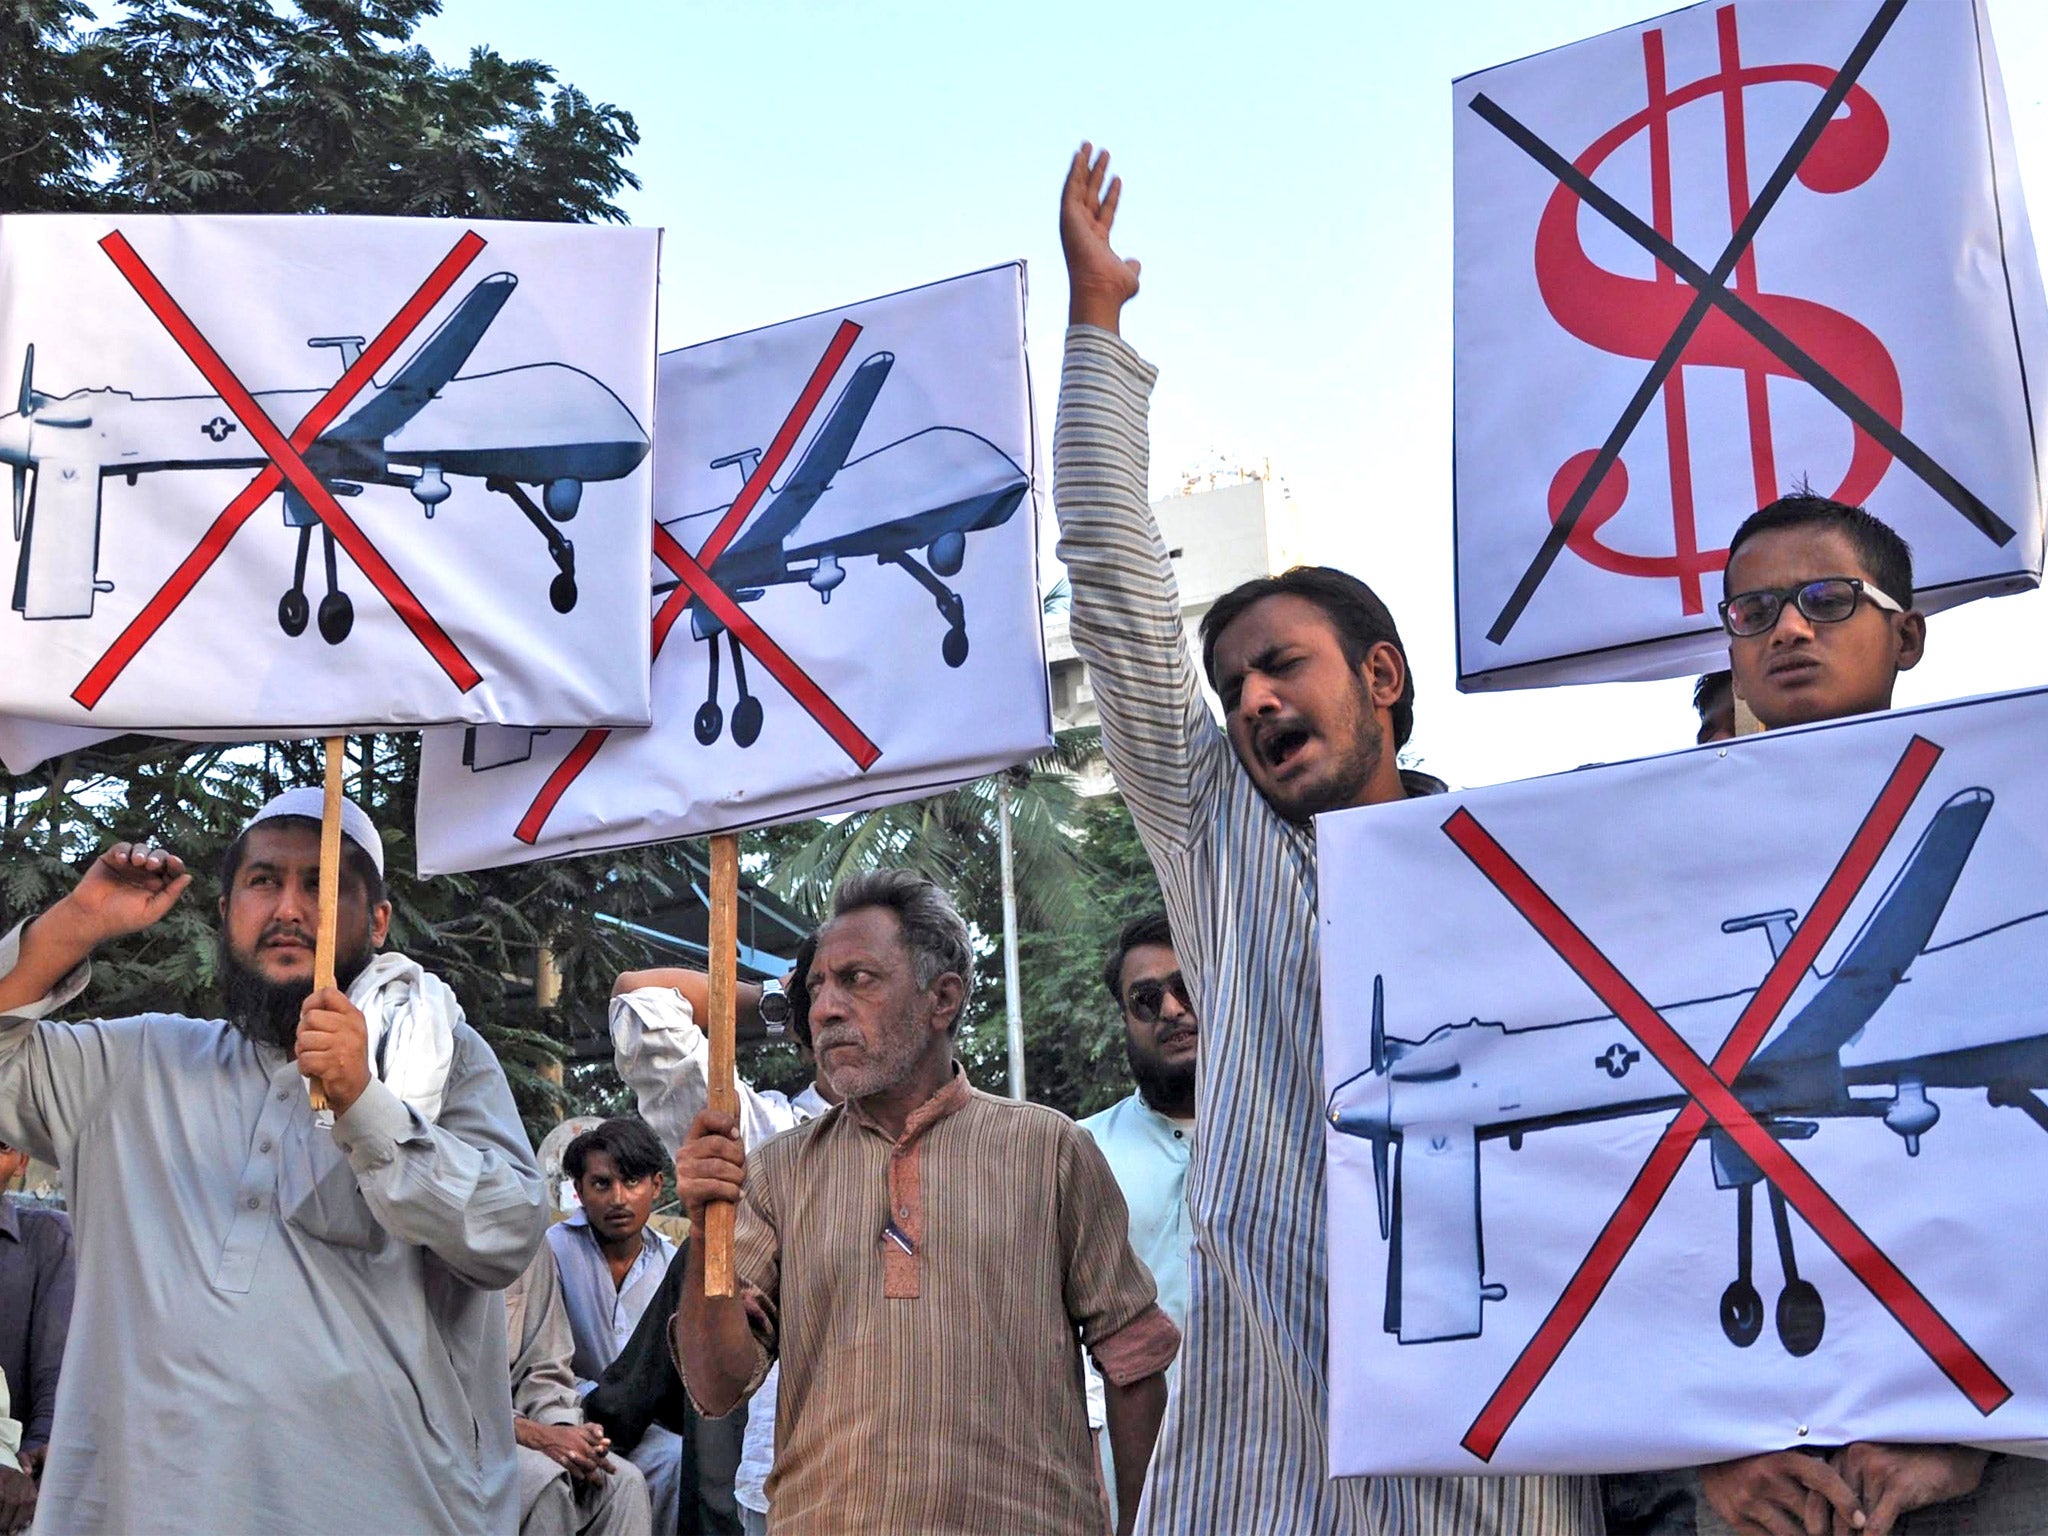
245,106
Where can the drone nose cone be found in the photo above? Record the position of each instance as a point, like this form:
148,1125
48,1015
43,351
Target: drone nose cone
1367,1112
14,441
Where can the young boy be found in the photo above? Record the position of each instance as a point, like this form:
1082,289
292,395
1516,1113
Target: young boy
1820,621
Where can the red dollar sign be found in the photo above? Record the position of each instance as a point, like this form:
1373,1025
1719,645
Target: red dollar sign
1635,317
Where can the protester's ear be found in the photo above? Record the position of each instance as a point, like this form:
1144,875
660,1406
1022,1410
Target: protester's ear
1385,674
947,992
1912,640
380,924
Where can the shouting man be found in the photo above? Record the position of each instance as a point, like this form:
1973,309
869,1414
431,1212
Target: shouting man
281,1323
1317,704
926,1261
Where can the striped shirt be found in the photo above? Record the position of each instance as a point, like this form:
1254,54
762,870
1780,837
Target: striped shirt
928,1298
1244,1447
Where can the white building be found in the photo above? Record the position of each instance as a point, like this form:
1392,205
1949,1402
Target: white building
1219,535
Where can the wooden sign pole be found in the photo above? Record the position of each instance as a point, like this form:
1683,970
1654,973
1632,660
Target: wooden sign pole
330,889
723,961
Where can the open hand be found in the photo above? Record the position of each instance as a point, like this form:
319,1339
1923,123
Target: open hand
1099,282
1892,1480
711,1165
1781,1493
334,1047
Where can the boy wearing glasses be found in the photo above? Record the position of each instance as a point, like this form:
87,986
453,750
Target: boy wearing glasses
1820,623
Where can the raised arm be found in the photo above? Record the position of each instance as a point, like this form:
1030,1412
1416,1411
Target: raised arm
717,1340
52,1075
1165,749
664,1057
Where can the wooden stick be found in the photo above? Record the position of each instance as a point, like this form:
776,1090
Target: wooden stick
330,890
723,961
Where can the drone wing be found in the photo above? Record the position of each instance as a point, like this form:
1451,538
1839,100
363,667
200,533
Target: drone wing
432,366
821,461
1891,939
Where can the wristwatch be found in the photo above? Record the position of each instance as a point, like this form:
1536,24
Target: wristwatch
774,1007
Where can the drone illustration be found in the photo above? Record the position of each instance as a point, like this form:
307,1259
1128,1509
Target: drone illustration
925,492
546,425
1859,1043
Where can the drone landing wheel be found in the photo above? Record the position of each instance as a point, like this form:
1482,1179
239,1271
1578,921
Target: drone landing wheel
1801,1317
746,721
337,617
710,720
1742,1313
562,592
954,647
292,612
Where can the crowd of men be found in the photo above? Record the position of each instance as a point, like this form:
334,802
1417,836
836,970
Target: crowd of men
953,1312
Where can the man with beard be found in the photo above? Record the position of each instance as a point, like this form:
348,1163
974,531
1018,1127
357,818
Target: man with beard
1317,702
284,1322
926,1261
1149,1136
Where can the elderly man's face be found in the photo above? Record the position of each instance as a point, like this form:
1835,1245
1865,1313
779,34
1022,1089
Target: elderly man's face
872,1026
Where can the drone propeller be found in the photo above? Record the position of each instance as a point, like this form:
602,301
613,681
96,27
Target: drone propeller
1382,1146
25,404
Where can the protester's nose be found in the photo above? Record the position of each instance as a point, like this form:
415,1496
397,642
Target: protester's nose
296,903
1256,696
1792,626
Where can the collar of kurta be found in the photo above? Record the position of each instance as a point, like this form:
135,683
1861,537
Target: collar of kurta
902,1239
948,1100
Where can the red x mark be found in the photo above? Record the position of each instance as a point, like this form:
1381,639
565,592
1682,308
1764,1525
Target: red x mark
1712,1099
286,463
695,581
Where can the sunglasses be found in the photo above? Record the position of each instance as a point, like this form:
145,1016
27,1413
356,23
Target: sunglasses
1147,998
1829,600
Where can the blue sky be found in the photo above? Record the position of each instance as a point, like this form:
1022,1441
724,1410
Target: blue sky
1289,192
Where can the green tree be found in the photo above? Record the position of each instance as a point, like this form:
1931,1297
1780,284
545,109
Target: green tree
323,106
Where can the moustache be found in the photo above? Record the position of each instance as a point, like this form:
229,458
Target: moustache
284,930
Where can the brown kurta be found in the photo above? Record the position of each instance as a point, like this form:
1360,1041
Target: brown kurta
929,1300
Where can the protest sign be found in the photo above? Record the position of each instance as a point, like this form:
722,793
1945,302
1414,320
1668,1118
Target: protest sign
845,600
1692,1107
1708,259
181,377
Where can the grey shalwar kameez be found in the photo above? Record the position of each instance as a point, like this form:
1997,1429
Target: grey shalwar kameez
279,1326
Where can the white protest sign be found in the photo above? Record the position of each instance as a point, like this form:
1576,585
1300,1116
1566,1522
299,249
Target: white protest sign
845,594
1557,1240
1706,259
449,418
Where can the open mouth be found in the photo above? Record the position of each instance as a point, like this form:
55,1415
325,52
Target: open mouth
1278,745
1183,1036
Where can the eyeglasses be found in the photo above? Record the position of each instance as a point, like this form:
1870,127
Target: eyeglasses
1829,600
1146,998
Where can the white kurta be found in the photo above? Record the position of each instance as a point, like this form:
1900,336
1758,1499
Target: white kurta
279,1326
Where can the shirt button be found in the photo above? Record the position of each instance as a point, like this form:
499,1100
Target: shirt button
254,1203
263,1145
1176,1136
283,1094
904,1214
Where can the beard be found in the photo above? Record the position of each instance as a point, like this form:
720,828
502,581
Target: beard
1167,1086
266,1011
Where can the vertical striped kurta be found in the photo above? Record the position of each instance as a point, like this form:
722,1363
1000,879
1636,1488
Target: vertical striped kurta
929,1298
1244,1448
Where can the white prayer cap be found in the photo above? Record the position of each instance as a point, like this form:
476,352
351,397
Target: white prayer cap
309,802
